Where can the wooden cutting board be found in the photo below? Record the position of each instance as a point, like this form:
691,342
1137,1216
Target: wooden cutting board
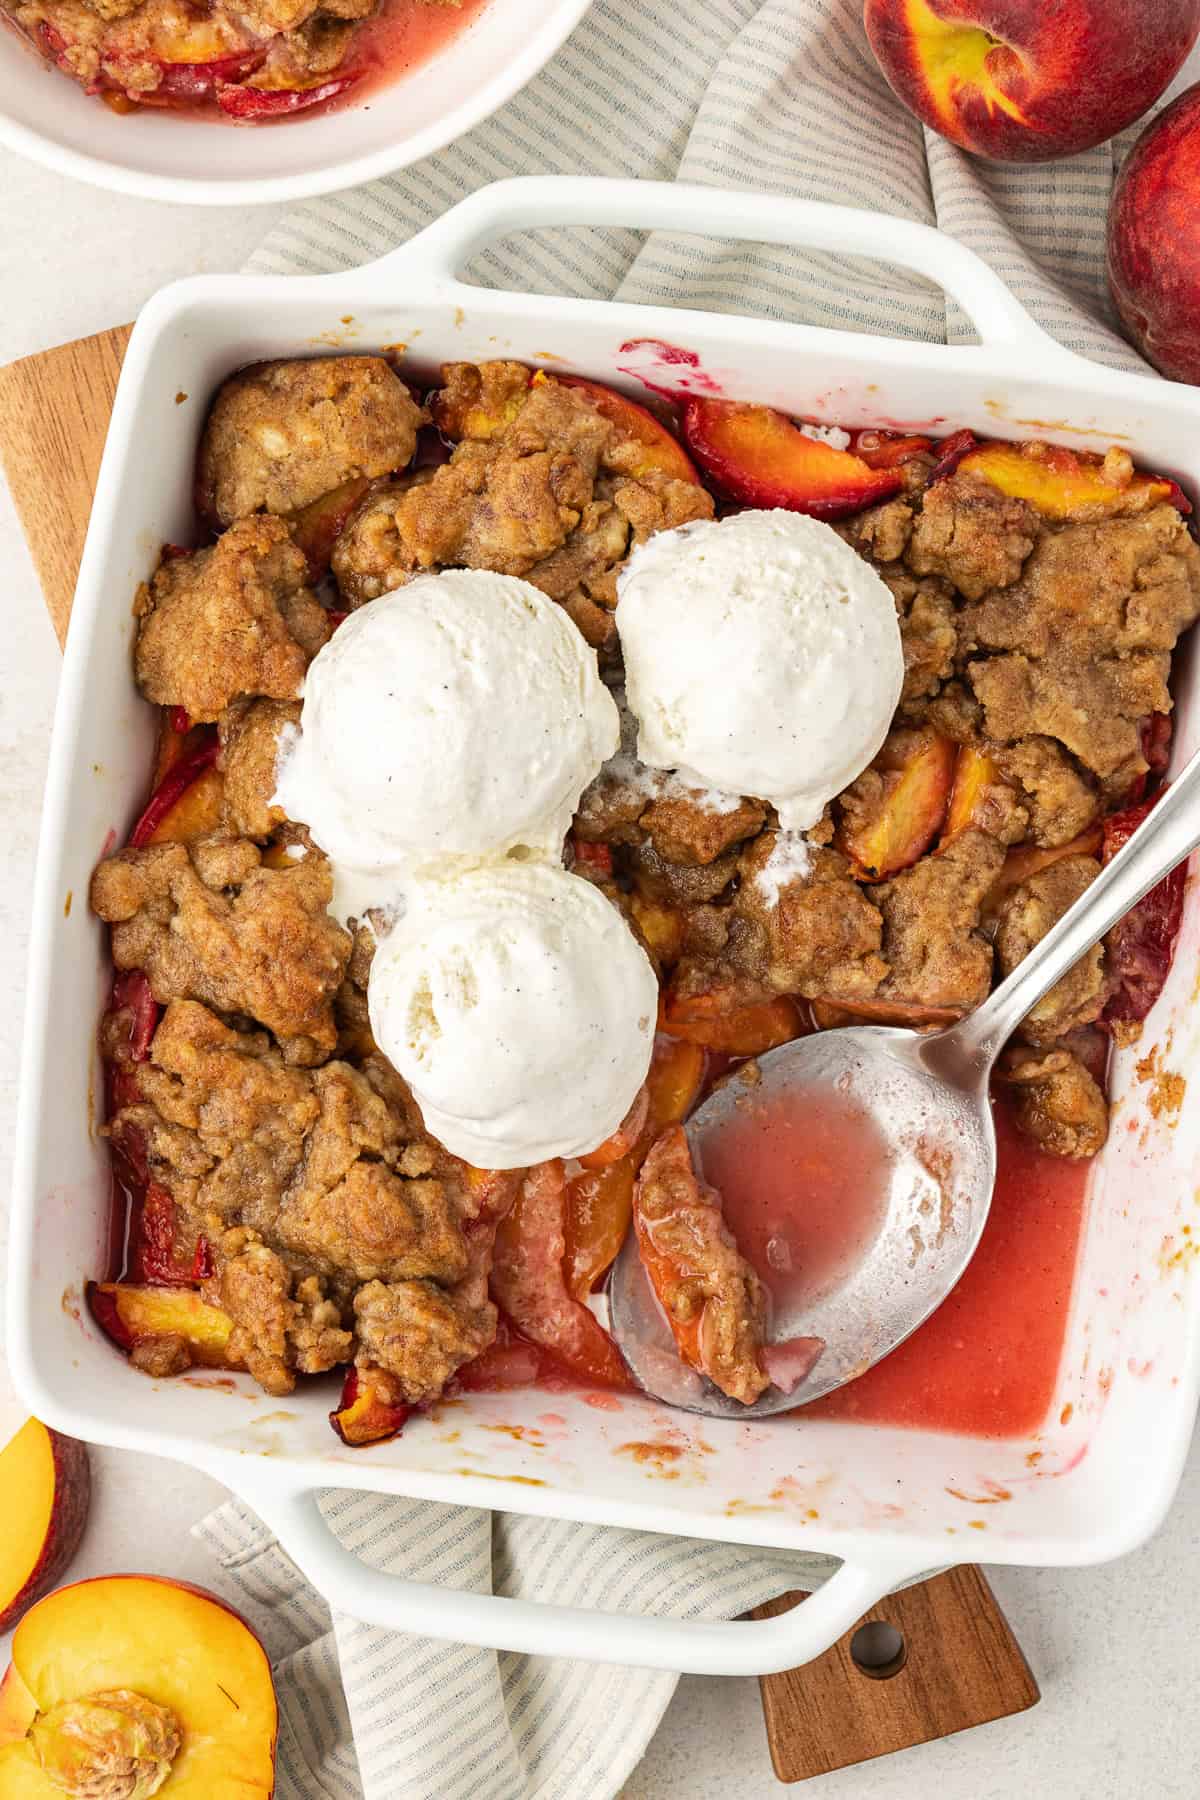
957,1664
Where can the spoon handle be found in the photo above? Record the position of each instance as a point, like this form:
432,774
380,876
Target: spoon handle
1170,831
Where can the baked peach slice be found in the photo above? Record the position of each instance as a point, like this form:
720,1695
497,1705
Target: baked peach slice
717,1021
129,1683
529,1282
757,456
273,100
600,1200
916,769
1064,484
661,452
976,778
1027,860
317,526
45,1488
186,803
887,449
130,1315
367,1412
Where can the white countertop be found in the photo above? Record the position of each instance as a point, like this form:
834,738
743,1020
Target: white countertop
1116,1650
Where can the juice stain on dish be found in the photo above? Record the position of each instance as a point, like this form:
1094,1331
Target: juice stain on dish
803,1179
987,1362
403,35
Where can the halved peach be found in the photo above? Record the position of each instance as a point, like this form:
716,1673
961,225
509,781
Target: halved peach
130,1315
917,770
140,1683
757,456
663,453
1062,483
317,526
18,1708
45,1488
367,1413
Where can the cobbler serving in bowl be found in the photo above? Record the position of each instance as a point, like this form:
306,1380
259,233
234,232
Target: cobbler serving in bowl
254,62
425,944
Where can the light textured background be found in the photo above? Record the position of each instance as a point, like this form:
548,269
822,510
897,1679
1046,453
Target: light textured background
1116,1650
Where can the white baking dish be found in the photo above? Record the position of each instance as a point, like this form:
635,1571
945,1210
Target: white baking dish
1098,1477
157,155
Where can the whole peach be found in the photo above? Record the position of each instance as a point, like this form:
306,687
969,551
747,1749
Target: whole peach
1030,80
1154,240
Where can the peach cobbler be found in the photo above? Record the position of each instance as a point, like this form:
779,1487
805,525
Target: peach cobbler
474,854
252,62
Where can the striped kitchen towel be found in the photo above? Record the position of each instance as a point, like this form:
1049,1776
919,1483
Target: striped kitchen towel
781,96
378,1714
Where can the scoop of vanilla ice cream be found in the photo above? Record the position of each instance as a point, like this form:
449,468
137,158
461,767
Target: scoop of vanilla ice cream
520,1009
456,717
762,656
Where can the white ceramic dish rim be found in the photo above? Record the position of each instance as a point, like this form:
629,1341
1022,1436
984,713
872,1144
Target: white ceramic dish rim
285,1489
511,76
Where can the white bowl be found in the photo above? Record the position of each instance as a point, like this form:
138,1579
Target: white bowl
164,156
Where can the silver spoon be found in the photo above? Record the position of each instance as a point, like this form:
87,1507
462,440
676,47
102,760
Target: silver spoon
922,1090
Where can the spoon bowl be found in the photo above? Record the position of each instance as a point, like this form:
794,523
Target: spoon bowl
937,1178
927,1095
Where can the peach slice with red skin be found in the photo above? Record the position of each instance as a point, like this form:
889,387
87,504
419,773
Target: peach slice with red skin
129,1315
172,791
1062,484
154,1650
529,1282
251,101
45,1489
367,1413
917,768
757,456
887,449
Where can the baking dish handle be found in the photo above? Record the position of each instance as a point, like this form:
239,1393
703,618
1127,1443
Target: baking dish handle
689,1646
529,202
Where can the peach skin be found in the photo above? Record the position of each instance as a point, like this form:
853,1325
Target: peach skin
1023,81
45,1487
1154,241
